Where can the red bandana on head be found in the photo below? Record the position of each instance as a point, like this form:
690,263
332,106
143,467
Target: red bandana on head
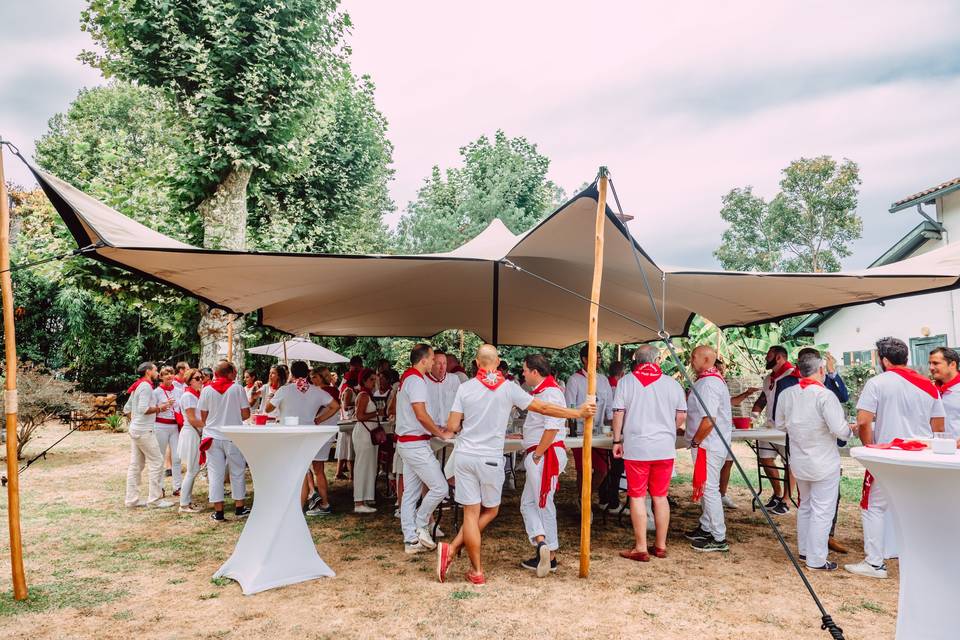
945,387
410,372
220,385
712,372
490,379
807,382
920,382
547,383
647,373
137,383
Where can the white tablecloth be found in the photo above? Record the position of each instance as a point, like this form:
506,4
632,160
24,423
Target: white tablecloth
275,547
922,486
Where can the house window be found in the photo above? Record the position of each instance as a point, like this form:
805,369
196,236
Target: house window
920,349
851,358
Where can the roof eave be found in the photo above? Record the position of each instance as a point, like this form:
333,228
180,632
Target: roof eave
927,198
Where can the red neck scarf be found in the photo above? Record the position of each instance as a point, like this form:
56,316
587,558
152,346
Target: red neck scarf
302,384
920,382
250,386
167,387
137,383
193,391
647,373
809,382
945,387
437,380
712,372
410,372
220,385
613,380
490,379
786,368
547,383
582,372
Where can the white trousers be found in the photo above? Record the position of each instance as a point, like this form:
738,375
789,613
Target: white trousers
222,456
537,521
189,450
712,518
364,465
420,468
874,524
818,503
144,452
168,436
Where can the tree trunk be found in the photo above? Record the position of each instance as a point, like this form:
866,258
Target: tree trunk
224,216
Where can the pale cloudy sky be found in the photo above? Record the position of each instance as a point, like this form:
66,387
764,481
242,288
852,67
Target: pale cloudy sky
681,100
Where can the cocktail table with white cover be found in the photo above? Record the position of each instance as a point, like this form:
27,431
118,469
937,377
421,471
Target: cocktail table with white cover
275,547
922,487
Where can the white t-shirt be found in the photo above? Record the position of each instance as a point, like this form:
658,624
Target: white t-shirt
650,417
222,410
440,397
716,396
900,408
485,415
305,405
461,376
189,401
576,394
814,419
536,423
771,394
412,389
951,407
179,388
140,400
266,395
161,395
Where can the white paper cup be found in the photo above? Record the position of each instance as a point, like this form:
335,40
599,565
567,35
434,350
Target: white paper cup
291,421
947,446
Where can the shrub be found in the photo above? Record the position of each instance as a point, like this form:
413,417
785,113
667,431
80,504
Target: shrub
41,397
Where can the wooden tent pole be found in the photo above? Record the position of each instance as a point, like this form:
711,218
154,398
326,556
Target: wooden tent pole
230,339
285,354
586,503
10,396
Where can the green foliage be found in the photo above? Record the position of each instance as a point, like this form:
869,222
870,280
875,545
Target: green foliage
808,226
503,179
245,75
82,593
855,376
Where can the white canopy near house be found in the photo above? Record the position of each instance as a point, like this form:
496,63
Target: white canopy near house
299,349
476,286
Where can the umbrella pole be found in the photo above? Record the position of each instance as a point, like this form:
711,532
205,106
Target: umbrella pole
285,354
586,503
10,396
230,339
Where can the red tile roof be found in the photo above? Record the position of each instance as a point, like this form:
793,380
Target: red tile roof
944,185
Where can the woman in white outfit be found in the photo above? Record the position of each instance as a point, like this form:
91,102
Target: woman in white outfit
364,451
190,435
167,430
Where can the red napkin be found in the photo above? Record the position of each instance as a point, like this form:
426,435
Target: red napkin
699,474
899,443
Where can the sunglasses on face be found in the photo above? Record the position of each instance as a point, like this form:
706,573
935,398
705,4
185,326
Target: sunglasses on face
196,378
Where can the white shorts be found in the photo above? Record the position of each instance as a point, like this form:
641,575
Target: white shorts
324,454
479,480
769,450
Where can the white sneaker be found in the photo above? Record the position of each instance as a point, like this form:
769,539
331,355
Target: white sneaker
396,512
411,548
190,508
160,504
137,505
364,509
439,533
425,540
866,570
615,509
728,503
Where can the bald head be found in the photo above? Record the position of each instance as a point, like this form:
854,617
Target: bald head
487,357
703,357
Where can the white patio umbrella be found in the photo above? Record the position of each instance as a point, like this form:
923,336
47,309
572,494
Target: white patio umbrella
299,349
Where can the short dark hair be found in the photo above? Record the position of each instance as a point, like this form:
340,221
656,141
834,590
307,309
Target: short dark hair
950,355
299,369
182,366
807,350
225,367
419,352
439,352
894,350
585,349
616,368
207,371
356,361
365,375
144,367
539,363
779,349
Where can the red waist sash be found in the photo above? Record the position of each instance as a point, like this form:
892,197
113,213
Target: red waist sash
551,470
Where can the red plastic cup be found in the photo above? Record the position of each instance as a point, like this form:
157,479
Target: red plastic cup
742,423
260,419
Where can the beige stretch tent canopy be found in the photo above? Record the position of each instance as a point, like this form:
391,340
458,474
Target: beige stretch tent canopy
476,288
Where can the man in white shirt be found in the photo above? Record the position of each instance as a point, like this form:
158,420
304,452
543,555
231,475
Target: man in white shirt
649,409
545,460
706,437
455,368
480,413
413,431
813,418
144,449
309,404
179,381
224,403
575,394
780,367
943,368
441,388
898,403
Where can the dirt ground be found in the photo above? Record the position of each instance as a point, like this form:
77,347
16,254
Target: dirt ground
97,570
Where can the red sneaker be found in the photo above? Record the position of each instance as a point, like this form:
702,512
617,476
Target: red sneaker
476,578
444,560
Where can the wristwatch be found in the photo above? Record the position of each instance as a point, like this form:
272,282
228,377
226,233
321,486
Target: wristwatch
620,441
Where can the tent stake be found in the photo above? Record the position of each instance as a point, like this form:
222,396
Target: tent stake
586,503
10,396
